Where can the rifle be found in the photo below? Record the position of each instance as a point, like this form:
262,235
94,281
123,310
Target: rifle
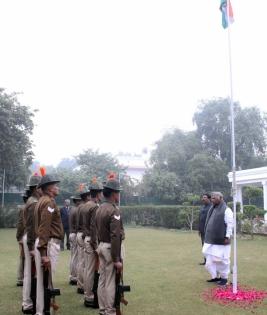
33,285
50,305
96,279
120,289
119,292
94,303
22,263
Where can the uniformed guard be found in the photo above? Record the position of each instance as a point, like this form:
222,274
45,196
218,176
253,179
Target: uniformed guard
19,236
85,196
28,242
49,232
73,240
110,234
90,242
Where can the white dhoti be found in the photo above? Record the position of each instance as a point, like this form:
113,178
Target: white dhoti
218,260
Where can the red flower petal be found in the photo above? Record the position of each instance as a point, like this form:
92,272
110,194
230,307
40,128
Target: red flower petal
245,297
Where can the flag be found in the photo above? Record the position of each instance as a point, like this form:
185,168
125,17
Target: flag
224,10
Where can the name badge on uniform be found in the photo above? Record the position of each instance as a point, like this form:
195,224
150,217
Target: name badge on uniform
51,210
117,217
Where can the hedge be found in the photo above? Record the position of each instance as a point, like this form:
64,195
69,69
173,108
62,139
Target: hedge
171,217
159,216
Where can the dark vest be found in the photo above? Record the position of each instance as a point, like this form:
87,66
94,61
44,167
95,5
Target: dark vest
203,216
215,228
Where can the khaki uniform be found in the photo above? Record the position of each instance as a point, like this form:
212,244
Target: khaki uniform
90,245
28,245
49,232
73,243
80,242
19,236
110,234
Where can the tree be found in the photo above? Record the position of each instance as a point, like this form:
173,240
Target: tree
162,185
251,193
191,199
67,163
69,180
189,216
174,150
213,129
167,180
88,165
206,173
16,126
179,160
92,163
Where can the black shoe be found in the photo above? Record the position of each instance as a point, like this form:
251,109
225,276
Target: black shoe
214,280
222,282
28,311
89,303
202,264
20,284
80,291
73,282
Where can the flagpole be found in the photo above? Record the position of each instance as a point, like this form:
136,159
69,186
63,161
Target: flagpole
3,189
233,148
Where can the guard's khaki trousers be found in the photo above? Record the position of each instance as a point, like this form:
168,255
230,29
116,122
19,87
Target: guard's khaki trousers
73,256
53,249
89,269
80,265
106,285
26,292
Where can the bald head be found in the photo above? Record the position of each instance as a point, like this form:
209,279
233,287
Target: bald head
216,197
217,193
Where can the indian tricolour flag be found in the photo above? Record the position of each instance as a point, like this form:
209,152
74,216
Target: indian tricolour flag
225,10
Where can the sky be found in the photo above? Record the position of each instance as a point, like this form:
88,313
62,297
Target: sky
114,76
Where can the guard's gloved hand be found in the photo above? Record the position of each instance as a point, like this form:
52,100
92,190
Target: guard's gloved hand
118,265
45,260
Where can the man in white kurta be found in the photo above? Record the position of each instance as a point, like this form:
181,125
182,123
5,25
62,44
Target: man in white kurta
217,248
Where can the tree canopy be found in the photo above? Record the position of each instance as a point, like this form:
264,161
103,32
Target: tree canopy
16,127
198,161
214,131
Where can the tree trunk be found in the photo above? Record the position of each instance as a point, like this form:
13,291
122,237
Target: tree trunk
251,229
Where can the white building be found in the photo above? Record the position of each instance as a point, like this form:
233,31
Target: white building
135,165
250,177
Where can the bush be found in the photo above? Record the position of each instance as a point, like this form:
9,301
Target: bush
230,204
251,219
9,216
159,216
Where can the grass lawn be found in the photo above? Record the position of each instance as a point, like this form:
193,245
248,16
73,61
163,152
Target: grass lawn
161,267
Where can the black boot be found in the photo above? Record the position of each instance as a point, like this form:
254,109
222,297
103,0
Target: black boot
88,303
222,282
28,311
214,280
80,291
